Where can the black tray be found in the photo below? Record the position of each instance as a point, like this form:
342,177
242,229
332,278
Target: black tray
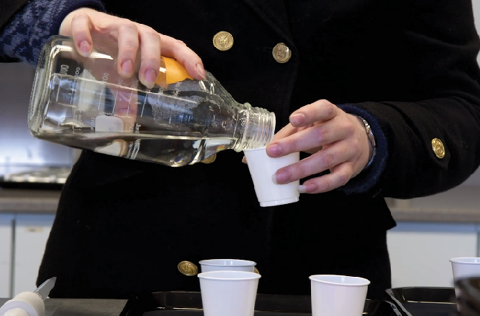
81,307
190,304
428,301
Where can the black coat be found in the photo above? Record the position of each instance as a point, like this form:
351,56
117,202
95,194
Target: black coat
8,8
123,226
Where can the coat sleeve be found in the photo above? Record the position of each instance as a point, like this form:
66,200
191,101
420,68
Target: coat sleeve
8,9
442,106
22,38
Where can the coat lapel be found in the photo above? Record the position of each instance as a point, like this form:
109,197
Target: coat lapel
274,13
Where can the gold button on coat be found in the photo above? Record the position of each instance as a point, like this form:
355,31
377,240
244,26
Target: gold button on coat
223,40
209,159
438,148
187,268
281,53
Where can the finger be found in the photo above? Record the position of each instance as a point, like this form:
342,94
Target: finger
318,111
328,182
177,49
287,130
273,149
80,30
307,139
325,159
128,44
150,56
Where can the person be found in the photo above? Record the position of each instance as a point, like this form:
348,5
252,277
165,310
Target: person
333,74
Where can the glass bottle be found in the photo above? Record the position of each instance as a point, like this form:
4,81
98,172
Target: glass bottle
83,103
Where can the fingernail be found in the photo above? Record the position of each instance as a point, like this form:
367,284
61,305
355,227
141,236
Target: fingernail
297,119
274,178
201,71
311,187
302,189
127,67
85,48
150,77
274,150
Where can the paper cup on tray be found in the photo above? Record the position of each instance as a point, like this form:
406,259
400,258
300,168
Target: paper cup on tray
231,293
227,265
338,295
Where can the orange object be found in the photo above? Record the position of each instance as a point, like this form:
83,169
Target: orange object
174,72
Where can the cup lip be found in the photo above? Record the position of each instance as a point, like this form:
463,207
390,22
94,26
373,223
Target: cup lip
218,263
223,275
330,279
255,149
466,260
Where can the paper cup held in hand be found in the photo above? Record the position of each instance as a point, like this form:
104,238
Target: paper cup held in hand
262,169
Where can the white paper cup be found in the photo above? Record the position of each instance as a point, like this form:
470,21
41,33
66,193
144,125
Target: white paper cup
338,295
227,265
465,267
462,268
262,168
231,293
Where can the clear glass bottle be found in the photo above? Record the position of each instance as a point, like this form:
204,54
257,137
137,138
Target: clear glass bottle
84,103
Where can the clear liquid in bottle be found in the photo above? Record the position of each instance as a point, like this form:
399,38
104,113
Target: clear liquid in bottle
83,103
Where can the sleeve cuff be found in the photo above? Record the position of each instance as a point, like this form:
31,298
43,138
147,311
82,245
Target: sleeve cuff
368,179
23,38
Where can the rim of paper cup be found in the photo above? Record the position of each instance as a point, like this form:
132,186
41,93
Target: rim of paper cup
333,279
255,149
280,202
222,263
234,275
467,260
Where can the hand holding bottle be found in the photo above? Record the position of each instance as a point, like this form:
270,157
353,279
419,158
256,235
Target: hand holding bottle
125,39
82,102
88,27
336,141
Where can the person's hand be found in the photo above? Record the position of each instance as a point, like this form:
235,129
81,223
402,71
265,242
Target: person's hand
88,27
336,141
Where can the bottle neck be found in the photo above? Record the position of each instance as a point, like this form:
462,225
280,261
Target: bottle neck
255,128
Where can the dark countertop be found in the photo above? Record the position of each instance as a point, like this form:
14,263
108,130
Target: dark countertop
28,201
82,307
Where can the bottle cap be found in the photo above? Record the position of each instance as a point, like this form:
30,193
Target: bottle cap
171,72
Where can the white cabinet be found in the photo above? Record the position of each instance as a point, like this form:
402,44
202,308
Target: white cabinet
31,234
420,252
6,244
